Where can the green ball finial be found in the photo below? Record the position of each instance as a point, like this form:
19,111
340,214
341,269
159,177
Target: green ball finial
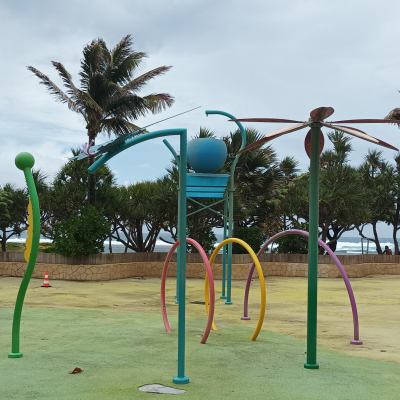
24,160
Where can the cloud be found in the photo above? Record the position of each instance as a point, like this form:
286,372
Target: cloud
251,59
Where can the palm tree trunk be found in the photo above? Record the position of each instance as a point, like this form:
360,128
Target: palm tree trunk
395,225
378,246
4,242
91,177
325,228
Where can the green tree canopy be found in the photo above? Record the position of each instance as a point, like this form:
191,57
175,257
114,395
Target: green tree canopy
81,235
379,179
13,212
342,195
142,210
68,193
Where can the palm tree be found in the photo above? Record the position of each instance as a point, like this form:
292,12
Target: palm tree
108,96
258,182
394,114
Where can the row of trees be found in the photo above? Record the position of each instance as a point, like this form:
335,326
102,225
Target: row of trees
270,196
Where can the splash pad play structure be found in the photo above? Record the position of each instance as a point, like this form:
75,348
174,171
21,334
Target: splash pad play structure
313,148
209,292
210,185
25,162
356,339
203,185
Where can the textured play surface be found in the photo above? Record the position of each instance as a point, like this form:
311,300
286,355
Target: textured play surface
114,332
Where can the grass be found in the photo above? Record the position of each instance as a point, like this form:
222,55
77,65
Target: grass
120,348
20,247
121,351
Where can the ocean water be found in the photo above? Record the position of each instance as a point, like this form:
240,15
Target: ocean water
346,246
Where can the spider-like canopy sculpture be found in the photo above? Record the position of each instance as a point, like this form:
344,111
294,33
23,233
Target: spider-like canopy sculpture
316,122
318,116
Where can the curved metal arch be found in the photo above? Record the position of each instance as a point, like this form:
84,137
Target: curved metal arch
136,140
260,275
356,339
209,301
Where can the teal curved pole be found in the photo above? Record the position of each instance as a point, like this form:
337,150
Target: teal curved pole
25,161
171,149
231,191
132,142
182,133
176,157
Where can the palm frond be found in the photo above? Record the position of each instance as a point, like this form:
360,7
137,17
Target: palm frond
158,102
137,83
87,102
131,106
121,50
66,78
289,166
117,126
92,62
394,115
125,70
123,61
54,90
205,133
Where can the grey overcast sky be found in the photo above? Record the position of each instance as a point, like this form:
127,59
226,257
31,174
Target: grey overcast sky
275,58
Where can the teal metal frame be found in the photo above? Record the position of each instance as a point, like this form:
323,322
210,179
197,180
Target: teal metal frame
231,191
181,378
215,186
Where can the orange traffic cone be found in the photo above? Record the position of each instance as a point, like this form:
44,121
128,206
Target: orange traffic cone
46,282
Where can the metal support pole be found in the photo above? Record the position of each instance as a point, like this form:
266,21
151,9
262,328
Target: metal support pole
230,193
224,253
177,255
313,250
231,190
181,378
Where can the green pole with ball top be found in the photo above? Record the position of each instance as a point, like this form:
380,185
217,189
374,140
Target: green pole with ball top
25,161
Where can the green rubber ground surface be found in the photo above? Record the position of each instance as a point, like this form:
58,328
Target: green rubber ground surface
120,351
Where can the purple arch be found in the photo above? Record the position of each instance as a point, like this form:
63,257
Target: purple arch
356,339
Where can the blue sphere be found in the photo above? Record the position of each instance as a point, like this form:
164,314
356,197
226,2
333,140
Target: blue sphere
206,155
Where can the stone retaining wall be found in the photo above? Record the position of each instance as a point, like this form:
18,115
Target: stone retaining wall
193,270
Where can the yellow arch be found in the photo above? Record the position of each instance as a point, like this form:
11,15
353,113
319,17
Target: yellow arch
28,242
260,276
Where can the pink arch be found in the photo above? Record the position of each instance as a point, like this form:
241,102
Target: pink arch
356,339
211,283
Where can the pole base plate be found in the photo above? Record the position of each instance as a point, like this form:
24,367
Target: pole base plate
358,342
180,381
223,297
228,303
311,366
245,318
15,355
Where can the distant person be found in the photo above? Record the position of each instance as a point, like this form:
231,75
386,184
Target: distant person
387,251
